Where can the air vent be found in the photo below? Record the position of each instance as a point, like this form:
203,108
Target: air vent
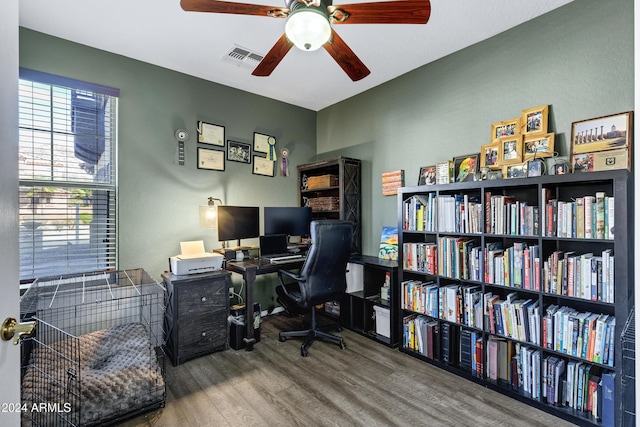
242,57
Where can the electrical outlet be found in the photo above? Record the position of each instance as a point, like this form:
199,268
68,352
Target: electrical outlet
231,292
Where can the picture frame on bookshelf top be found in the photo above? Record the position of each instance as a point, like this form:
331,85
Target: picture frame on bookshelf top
505,129
535,120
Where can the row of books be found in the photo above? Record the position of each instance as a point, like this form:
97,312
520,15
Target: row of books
459,213
506,215
589,336
587,217
512,317
586,276
420,257
517,266
454,303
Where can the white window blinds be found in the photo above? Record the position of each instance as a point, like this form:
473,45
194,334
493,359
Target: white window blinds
67,159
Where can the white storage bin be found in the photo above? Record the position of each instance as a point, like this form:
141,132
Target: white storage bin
383,325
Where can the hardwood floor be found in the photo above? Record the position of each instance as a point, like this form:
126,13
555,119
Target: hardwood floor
366,384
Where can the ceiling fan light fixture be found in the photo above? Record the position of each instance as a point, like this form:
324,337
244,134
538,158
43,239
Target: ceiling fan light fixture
308,29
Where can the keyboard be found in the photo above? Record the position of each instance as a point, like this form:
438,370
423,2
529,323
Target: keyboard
284,258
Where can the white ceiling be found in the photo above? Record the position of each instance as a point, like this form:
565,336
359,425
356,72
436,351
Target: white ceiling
159,32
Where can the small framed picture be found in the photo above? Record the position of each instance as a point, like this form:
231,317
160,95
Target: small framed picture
445,172
583,162
535,167
516,171
238,151
465,167
560,168
505,129
427,175
263,166
210,159
263,143
534,120
511,150
209,133
537,147
494,174
490,155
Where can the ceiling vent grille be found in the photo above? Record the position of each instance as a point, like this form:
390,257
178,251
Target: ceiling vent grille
242,57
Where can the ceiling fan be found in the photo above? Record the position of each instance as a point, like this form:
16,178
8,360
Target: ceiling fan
309,25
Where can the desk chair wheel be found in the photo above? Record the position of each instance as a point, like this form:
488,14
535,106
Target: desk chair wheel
342,344
304,352
281,338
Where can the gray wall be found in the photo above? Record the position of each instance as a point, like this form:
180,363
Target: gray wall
578,59
158,200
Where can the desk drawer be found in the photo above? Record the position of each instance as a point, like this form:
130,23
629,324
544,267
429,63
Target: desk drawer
202,334
200,298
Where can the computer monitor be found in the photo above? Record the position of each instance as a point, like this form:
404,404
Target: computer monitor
238,222
292,221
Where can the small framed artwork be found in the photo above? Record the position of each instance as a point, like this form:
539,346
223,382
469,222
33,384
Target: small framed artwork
560,168
505,129
494,174
263,143
210,159
465,167
444,172
535,120
535,167
210,134
490,155
511,150
582,162
603,133
538,147
263,166
516,171
238,151
427,175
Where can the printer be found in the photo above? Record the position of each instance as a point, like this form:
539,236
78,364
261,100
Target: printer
194,259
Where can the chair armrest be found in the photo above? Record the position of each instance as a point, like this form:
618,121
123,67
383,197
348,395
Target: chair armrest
297,279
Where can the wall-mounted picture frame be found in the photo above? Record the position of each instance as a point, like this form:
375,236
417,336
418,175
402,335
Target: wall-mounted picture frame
516,171
238,151
535,120
209,133
210,159
465,167
511,150
427,175
535,168
613,132
505,129
539,146
263,166
490,155
262,143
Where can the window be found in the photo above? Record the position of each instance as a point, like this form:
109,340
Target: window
67,159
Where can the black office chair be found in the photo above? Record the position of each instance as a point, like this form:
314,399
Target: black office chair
321,278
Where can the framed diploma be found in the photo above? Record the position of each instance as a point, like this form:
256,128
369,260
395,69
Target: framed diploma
210,134
262,143
263,166
210,159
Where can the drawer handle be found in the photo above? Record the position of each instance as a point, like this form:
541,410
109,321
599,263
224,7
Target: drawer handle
204,299
204,334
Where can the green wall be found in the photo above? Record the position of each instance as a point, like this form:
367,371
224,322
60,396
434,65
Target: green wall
577,59
158,200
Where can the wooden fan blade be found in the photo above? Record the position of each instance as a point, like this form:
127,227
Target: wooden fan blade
346,59
235,8
273,57
388,12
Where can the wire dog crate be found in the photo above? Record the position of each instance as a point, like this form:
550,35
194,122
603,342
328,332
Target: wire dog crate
95,357
629,371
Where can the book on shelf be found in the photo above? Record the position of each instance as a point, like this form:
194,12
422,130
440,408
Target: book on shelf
588,217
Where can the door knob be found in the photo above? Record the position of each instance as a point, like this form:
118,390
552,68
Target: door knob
11,328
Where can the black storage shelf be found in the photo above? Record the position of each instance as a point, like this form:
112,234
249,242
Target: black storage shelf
617,184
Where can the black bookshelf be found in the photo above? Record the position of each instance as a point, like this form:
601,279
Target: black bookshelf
609,300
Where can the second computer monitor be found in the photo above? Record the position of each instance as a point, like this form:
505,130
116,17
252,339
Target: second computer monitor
292,221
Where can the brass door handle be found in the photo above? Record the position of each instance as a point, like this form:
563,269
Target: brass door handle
12,329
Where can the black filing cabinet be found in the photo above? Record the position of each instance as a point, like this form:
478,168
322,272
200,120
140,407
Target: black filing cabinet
196,312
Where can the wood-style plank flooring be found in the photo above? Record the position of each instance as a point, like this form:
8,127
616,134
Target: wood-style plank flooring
367,384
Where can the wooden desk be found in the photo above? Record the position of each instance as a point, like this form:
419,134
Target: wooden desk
249,269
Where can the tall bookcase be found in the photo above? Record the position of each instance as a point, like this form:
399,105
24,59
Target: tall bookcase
514,284
332,188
